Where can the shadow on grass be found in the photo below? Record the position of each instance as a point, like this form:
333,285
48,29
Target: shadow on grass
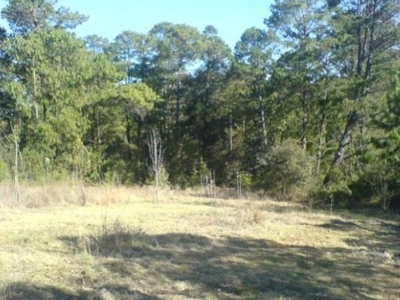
233,267
23,291
217,193
379,240
337,224
381,237
370,231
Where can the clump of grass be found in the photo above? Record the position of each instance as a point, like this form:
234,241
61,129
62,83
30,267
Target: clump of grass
258,216
108,239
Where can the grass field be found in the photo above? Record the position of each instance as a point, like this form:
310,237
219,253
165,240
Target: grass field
121,245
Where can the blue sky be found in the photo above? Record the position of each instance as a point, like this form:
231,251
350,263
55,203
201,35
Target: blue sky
110,18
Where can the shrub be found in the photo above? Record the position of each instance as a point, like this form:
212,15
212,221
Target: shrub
286,170
378,184
4,171
33,165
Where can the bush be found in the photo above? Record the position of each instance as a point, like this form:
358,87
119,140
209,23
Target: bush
163,178
4,171
33,166
286,171
378,184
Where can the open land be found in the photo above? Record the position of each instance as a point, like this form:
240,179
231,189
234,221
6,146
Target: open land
117,243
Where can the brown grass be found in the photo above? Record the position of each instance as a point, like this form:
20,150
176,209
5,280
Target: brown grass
70,242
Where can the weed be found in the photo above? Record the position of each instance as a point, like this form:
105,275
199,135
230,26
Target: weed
258,217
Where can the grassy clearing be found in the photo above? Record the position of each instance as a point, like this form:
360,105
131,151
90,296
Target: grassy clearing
121,245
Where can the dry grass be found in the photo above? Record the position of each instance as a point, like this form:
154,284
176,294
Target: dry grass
121,245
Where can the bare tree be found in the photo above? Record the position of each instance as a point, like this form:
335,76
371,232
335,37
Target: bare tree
156,152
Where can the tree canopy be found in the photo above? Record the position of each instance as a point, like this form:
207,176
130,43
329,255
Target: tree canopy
318,85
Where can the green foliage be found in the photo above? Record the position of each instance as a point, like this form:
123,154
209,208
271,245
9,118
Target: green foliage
163,178
378,185
36,166
284,168
4,171
318,76
254,48
26,15
246,179
381,178
114,132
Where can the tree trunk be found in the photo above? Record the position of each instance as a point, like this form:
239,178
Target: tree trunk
15,141
16,167
304,120
178,105
230,133
262,120
321,130
35,104
156,155
352,122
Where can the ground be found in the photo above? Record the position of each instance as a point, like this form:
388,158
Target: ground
117,243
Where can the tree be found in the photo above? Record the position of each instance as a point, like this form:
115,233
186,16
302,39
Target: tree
206,116
177,49
132,50
254,50
24,16
366,31
48,89
6,102
298,26
97,44
116,131
168,70
156,152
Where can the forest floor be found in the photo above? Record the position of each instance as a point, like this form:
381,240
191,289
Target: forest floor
117,243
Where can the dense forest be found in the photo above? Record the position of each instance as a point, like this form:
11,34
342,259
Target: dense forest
306,108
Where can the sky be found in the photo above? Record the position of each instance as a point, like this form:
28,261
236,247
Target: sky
110,18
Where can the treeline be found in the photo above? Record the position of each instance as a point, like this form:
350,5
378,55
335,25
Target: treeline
306,108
